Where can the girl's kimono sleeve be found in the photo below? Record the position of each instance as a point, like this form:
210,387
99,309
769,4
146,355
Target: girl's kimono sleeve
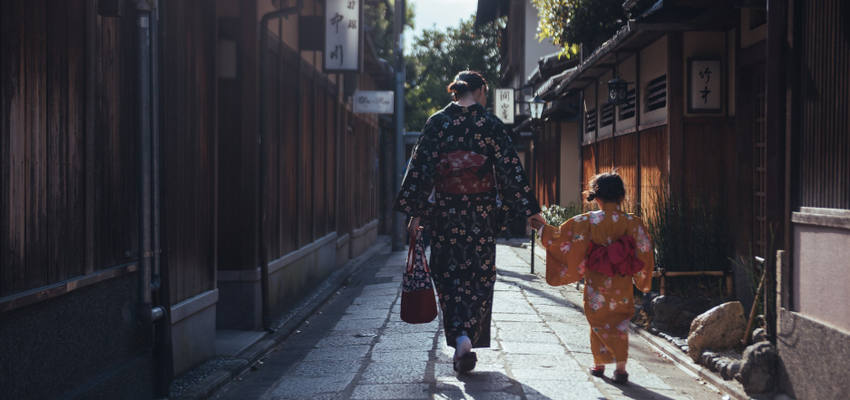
566,250
517,196
418,180
645,253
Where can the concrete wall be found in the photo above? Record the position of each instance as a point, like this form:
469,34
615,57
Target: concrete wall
343,249
240,299
820,277
813,337
88,343
814,357
363,237
294,275
193,330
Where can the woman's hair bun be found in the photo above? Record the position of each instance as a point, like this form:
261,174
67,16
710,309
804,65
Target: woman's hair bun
465,82
458,86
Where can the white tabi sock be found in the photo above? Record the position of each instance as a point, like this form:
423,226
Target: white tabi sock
463,345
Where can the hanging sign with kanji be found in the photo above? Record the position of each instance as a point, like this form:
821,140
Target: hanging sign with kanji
504,105
705,89
342,35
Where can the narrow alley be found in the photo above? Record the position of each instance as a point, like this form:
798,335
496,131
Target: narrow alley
357,347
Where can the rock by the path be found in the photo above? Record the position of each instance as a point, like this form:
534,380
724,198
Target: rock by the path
758,369
665,309
759,335
719,328
729,370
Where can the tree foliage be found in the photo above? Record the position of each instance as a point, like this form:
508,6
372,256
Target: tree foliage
437,56
378,16
570,23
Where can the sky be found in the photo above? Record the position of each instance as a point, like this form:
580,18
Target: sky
443,13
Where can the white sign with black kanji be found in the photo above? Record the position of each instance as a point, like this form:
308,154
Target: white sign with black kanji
706,86
342,35
504,105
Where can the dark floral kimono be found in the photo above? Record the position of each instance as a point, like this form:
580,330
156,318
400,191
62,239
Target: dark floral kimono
466,156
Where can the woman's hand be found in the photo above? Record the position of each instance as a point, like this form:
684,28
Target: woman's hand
536,221
413,226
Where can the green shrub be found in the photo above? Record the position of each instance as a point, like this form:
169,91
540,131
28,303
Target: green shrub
556,215
688,235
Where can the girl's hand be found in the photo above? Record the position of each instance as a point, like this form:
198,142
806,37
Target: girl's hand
536,221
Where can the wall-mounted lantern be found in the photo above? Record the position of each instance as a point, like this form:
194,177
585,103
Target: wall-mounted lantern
536,108
617,91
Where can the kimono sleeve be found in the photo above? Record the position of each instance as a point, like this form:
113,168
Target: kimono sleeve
517,196
566,250
645,253
418,180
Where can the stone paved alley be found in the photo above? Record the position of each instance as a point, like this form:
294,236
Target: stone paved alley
357,347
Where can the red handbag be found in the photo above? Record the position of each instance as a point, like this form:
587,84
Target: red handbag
417,296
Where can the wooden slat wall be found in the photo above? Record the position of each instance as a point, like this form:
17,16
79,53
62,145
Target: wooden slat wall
288,158
705,159
653,166
546,169
625,163
116,168
188,137
306,216
588,163
621,153
824,138
605,156
44,164
359,196
305,169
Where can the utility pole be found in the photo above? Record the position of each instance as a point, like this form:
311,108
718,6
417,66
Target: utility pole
398,116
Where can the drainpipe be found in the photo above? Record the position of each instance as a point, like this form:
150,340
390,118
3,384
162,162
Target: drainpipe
149,273
262,257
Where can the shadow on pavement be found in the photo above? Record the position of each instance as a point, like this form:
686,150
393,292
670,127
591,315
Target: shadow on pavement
485,385
635,391
529,278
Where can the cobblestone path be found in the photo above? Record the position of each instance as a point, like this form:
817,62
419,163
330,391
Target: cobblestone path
356,347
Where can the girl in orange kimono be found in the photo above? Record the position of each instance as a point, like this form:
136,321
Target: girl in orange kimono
611,250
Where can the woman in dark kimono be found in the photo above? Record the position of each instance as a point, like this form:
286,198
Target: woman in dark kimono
466,156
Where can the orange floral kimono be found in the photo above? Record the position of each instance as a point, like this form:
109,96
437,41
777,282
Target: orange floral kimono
608,300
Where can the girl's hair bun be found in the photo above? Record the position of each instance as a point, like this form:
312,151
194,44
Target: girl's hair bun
606,186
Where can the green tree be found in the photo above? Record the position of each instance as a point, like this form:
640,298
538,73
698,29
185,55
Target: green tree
437,56
378,15
570,23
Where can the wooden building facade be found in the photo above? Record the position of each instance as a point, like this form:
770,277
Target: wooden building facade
770,153
140,216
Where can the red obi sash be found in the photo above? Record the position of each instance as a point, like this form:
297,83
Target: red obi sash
616,258
460,172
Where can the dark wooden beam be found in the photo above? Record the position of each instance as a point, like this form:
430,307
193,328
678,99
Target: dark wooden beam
675,113
775,95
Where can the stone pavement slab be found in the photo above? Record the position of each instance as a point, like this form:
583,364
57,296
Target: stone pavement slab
356,347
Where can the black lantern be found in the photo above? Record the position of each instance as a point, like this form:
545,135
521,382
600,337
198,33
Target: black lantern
536,108
617,91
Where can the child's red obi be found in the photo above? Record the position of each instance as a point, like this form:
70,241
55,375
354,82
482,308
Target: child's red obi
618,257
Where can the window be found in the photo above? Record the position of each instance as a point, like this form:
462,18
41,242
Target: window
656,93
